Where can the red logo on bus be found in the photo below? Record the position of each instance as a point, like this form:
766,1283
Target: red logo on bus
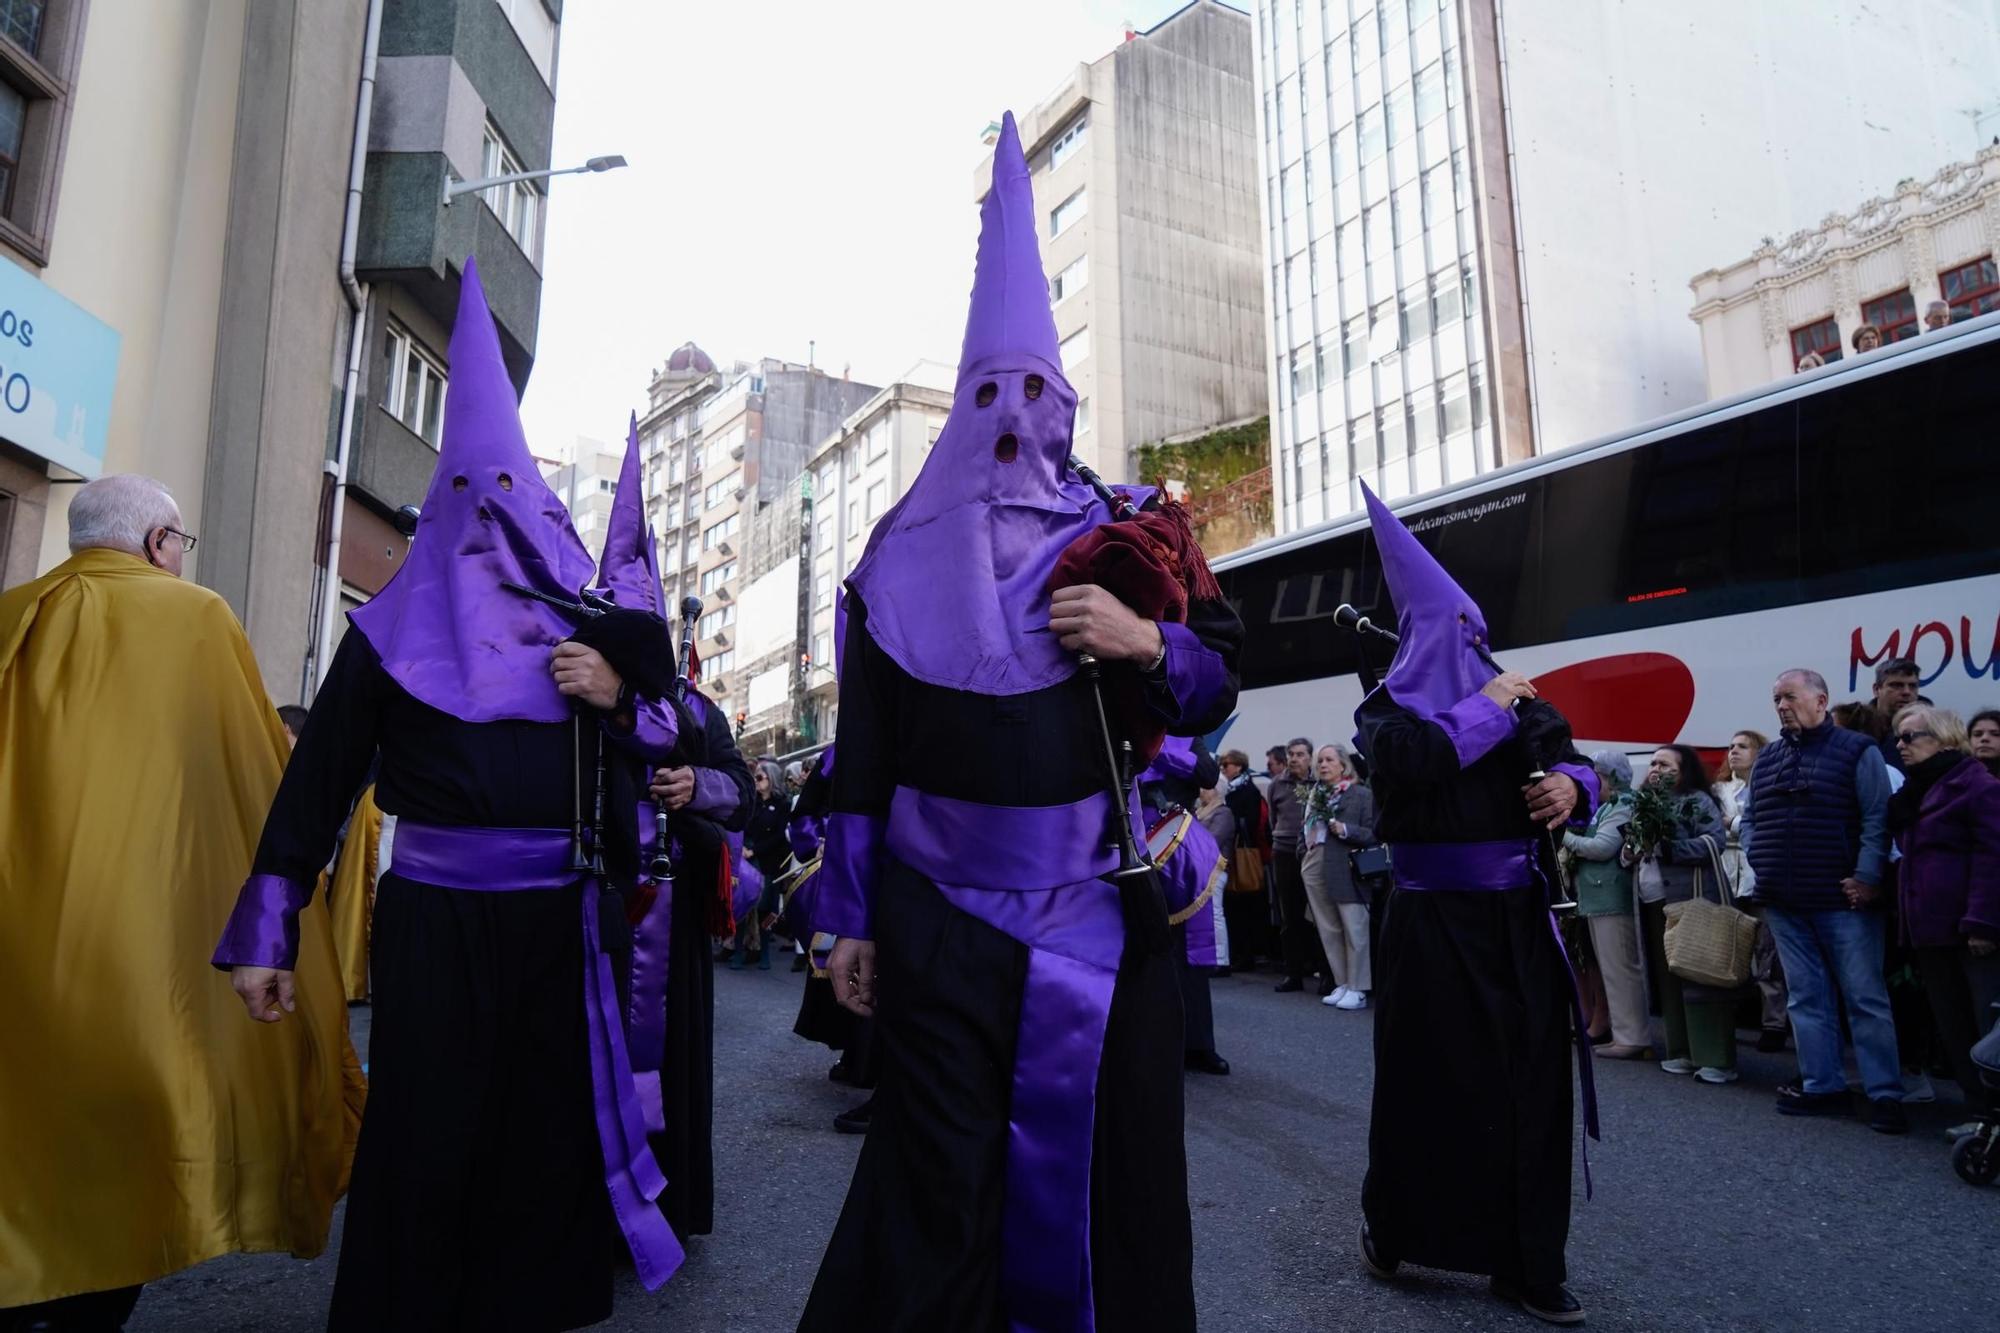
1628,696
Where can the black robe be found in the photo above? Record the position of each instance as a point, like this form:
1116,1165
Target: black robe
1469,1142
918,1245
477,1198
1196,1001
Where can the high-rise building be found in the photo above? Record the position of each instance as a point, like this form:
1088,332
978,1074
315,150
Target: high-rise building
1144,167
174,198
723,447
1480,214
585,483
1885,264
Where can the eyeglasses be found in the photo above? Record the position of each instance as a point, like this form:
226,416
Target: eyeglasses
187,538
1910,737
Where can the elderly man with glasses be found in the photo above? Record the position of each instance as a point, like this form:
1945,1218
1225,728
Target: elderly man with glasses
148,1127
1815,830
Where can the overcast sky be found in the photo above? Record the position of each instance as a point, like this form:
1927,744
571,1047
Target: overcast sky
799,171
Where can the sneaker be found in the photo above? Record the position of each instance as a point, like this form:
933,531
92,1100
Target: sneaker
1917,1087
1957,1132
1793,1099
1771,1040
1710,1074
1551,1304
1356,999
1680,1064
1333,1001
1373,1260
1886,1116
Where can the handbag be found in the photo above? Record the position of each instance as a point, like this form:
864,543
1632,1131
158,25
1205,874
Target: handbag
1246,870
1709,943
1369,862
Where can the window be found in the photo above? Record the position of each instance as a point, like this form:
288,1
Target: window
536,30
878,499
38,65
1894,315
823,649
694,459
1401,126
716,533
715,622
1430,93
1457,408
878,439
1069,141
722,489
1302,372
517,205
716,577
1822,336
414,384
1354,344
721,662
1082,416
1067,212
1416,316
853,519
1075,349
823,590
824,538
1373,144
1071,280
1972,289
1445,292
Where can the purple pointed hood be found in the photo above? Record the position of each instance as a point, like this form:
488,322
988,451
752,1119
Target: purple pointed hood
445,629
629,570
1443,657
955,575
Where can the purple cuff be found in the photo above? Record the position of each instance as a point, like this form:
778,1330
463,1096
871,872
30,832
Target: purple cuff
263,930
804,835
1585,778
1475,725
654,731
715,793
1196,676
850,859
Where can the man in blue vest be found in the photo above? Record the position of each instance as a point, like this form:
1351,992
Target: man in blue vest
1815,830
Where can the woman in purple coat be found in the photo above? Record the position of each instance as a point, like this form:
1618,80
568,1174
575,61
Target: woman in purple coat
1946,821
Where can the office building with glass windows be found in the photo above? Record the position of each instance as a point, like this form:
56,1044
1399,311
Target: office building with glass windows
1480,216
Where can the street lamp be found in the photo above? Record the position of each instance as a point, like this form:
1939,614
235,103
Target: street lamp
453,189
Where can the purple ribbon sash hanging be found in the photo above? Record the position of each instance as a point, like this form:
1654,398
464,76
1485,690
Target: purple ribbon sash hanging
1489,867
514,860
1036,875
646,1014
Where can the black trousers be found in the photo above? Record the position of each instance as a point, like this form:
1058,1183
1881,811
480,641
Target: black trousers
1962,990
91,1312
1301,944
918,1245
1196,1005
477,1199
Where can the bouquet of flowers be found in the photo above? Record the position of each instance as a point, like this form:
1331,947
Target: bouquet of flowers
1655,812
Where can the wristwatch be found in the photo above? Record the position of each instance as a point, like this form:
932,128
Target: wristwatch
1159,658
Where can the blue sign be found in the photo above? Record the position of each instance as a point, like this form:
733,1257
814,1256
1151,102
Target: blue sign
58,367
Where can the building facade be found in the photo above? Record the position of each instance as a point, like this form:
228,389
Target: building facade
585,484
175,183
1144,167
1479,213
1882,264
723,448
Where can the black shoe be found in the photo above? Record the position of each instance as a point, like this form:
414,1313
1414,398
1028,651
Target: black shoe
1325,987
1222,971
1207,1062
1288,985
1373,1260
1551,1304
841,1072
1888,1117
1771,1040
800,962
1793,1099
855,1121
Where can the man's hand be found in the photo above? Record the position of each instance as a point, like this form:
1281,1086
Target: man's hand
1859,894
582,673
1508,686
1552,800
851,967
266,992
673,787
1090,620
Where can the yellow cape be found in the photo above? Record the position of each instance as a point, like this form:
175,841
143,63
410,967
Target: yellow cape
146,1123
351,893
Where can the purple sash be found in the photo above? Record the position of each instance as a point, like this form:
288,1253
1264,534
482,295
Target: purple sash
1488,867
646,1012
509,860
1036,874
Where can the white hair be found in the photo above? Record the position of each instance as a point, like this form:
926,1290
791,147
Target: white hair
119,512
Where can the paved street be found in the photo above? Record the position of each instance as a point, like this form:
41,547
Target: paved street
1711,1211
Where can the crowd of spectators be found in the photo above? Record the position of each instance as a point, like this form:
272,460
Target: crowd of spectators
1863,839
1868,338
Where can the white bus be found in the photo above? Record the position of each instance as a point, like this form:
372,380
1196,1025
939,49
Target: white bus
1655,583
